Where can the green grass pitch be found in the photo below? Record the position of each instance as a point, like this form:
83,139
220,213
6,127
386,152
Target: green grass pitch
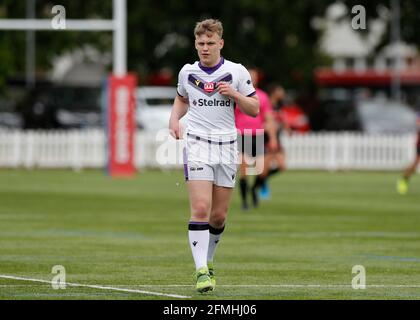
132,234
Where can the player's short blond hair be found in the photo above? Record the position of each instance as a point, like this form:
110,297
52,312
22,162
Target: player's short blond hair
208,26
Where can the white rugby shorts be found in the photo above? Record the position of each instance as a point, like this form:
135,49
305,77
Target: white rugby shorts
211,159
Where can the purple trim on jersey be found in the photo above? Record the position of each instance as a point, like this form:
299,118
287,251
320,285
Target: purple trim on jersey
252,94
179,94
210,70
198,83
226,78
184,155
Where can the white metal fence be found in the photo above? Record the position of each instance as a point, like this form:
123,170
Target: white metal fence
86,149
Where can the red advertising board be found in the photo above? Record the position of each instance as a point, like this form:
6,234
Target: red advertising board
121,125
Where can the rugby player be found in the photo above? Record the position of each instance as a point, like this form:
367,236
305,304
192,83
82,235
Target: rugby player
208,90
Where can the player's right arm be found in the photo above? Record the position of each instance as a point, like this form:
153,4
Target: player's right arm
180,106
179,109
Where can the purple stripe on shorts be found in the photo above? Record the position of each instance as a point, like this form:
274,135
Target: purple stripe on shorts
184,153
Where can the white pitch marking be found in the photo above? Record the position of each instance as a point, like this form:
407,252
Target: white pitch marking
290,285
98,287
322,286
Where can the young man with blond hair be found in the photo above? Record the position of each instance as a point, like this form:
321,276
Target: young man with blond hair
208,90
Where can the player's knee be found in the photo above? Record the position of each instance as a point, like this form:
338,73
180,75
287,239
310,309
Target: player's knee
201,210
218,218
218,223
197,216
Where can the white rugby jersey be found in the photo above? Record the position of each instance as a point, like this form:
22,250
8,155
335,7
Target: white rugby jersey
209,111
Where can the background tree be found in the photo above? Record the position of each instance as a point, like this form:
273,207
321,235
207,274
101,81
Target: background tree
276,35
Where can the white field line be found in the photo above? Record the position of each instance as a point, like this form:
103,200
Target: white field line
97,287
320,286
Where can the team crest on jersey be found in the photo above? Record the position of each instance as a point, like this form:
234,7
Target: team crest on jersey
209,87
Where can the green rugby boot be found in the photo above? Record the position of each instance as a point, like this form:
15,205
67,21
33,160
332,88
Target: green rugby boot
203,280
402,186
211,274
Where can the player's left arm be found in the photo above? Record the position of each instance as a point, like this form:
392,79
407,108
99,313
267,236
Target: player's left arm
248,105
